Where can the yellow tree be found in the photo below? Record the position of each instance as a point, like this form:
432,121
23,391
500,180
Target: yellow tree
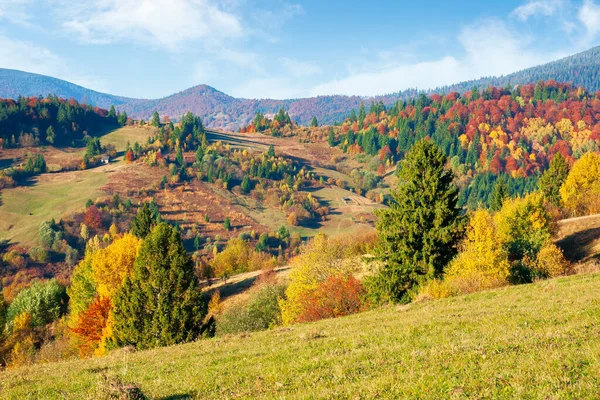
112,264
482,262
580,193
322,258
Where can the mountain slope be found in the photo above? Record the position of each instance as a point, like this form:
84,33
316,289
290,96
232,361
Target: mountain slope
220,110
14,83
529,341
582,69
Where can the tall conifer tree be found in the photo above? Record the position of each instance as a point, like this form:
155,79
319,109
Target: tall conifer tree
418,234
161,303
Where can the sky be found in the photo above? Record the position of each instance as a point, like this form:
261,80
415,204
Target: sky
287,49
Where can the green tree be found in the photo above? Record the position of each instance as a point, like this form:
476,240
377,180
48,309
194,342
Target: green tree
160,304
331,138
50,135
245,184
554,177
499,194
271,151
227,223
314,123
155,119
418,234
143,222
44,301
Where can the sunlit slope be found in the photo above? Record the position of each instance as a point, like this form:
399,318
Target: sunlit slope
529,341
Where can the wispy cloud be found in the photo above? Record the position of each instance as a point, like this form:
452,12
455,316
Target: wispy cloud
489,48
300,69
170,24
15,11
589,16
25,56
537,7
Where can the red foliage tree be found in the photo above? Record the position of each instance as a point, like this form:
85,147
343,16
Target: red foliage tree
335,297
91,323
93,218
129,156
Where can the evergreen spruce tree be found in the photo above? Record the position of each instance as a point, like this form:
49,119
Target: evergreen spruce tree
499,194
331,138
160,304
314,123
271,151
554,177
155,119
418,234
245,186
143,222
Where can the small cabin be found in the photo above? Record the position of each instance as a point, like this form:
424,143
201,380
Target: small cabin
105,159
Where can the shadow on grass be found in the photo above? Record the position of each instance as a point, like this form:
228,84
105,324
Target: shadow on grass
180,396
232,289
576,246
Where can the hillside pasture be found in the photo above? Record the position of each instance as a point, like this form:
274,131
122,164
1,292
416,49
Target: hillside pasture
535,341
54,195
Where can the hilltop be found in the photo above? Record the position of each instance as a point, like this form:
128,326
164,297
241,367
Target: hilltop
529,341
220,110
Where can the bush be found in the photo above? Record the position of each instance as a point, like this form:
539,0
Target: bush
336,296
551,262
436,289
43,301
260,312
15,259
321,258
38,254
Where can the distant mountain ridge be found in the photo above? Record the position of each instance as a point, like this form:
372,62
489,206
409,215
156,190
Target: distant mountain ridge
220,110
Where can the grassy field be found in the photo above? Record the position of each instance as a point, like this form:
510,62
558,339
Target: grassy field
531,341
24,208
130,134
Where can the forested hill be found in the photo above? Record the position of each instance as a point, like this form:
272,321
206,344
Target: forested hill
15,83
582,69
220,110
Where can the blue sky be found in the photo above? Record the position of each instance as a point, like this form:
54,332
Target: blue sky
285,49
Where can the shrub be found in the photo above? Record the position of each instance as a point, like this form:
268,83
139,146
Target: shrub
437,289
336,296
15,259
43,301
38,254
321,258
260,312
551,262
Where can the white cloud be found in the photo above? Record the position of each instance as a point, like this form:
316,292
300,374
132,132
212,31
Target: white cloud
537,7
589,15
269,88
165,23
15,11
300,69
25,56
489,49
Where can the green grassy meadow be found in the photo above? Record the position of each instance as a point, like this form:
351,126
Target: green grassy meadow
537,341
53,195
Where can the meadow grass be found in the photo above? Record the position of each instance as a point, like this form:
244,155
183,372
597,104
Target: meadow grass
24,208
530,341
